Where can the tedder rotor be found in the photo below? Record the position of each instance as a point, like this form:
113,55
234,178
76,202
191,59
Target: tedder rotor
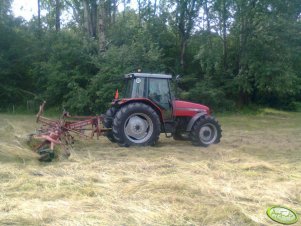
62,132
147,108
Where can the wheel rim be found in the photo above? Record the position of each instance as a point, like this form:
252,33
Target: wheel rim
138,128
208,133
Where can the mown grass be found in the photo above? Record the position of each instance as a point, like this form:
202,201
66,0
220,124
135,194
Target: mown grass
256,165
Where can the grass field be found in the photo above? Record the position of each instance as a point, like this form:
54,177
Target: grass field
257,165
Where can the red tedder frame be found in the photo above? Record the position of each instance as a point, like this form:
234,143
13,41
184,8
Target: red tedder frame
61,132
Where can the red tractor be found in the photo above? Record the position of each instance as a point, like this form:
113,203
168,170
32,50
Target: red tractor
148,108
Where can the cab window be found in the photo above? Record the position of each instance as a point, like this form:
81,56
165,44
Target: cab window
135,88
158,91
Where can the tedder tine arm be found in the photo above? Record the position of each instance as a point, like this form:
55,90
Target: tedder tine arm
75,131
41,110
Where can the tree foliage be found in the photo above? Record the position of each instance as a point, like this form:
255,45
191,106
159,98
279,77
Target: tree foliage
229,52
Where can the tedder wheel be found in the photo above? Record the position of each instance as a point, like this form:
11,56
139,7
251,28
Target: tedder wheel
136,124
206,131
108,121
46,154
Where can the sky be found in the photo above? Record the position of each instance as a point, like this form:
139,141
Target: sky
29,8
25,8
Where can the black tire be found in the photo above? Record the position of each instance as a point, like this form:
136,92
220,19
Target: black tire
135,120
108,121
206,131
46,154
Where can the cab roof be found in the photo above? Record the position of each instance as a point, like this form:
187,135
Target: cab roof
148,75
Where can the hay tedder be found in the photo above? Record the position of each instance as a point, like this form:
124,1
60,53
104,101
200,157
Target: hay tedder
63,131
147,108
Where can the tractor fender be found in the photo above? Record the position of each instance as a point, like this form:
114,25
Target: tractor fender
194,119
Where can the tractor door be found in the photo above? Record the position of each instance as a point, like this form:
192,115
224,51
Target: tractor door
159,93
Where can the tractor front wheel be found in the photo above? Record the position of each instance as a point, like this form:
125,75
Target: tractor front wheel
206,131
136,124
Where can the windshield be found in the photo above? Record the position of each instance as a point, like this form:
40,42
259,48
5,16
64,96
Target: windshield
128,88
135,87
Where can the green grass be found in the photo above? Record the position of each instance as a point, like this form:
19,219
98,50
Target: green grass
256,165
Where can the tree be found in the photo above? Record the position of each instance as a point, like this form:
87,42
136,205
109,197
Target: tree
231,52
101,26
39,15
5,8
57,15
185,14
87,17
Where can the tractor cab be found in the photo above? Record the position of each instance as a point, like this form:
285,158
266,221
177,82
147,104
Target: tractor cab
155,87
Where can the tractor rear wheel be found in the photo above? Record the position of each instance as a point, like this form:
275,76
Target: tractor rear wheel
136,124
108,121
206,131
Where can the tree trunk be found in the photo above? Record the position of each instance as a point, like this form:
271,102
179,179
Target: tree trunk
208,22
206,9
242,41
93,18
87,18
149,10
101,26
39,15
124,6
108,12
139,12
182,54
224,35
57,15
114,10
75,5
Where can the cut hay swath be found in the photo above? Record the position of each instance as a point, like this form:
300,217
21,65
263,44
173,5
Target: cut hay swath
256,166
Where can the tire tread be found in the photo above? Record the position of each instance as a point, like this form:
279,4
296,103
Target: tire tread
194,134
123,113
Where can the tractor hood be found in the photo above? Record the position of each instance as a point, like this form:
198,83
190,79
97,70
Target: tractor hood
185,108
